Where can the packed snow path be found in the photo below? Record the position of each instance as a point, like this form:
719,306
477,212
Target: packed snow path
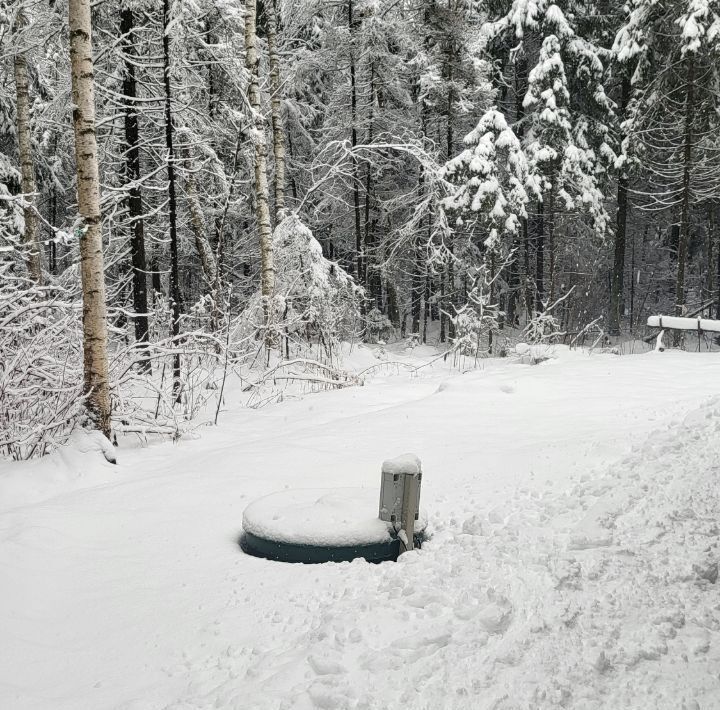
575,512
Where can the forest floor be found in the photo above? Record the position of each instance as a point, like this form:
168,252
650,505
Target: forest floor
574,508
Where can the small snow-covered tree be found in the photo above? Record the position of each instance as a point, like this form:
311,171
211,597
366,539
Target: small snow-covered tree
491,181
315,298
491,178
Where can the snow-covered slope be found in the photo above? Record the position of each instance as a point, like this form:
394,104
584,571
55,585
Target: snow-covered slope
574,511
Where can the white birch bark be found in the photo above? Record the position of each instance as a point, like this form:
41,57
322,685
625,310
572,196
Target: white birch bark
88,192
262,202
278,128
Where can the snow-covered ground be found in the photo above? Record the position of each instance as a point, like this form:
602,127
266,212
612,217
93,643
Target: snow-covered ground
574,512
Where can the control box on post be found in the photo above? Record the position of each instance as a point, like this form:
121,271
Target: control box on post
400,494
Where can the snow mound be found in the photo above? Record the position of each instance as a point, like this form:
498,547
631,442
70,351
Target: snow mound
87,441
320,517
84,460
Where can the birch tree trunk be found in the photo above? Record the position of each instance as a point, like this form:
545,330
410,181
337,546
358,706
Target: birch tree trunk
33,257
88,190
262,202
276,109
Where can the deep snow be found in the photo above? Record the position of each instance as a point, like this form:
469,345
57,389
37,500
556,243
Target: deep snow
574,519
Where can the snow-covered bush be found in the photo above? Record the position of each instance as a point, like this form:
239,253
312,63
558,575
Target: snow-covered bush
40,365
378,328
316,299
541,327
11,215
478,320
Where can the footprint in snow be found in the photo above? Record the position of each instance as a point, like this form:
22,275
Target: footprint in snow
326,666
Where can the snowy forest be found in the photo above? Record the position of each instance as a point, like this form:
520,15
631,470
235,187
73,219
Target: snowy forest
359,354
195,186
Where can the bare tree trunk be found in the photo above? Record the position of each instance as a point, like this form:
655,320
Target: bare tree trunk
208,262
426,308
372,273
88,188
685,204
132,168
443,313
451,290
709,250
418,286
632,284
293,181
352,24
717,283
540,258
617,286
33,256
552,255
527,291
262,202
278,128
175,296
520,89
52,258
450,148
202,241
449,133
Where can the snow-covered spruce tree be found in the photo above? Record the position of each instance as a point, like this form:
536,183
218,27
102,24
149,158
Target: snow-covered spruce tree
563,118
453,89
561,155
491,181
